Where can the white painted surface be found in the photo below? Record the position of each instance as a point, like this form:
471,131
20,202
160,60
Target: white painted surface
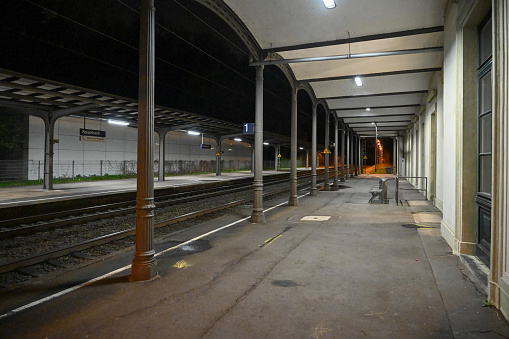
290,22
381,84
449,120
118,151
391,100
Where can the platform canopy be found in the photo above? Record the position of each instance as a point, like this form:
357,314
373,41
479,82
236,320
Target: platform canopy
31,95
392,45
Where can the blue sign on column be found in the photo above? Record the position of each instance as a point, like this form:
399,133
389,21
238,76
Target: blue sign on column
248,128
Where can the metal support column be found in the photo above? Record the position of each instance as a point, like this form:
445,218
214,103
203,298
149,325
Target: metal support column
326,185
257,216
359,157
144,266
162,145
347,153
276,158
336,182
351,154
293,151
313,154
343,177
49,127
361,154
252,157
219,143
356,157
394,156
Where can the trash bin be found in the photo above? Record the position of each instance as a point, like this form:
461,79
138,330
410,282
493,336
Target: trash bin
388,170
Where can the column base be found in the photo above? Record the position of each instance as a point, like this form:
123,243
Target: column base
313,192
257,217
143,269
326,187
293,201
336,186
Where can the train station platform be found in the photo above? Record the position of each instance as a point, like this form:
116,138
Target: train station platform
333,267
33,193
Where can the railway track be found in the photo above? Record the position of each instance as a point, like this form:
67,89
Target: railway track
32,221
22,266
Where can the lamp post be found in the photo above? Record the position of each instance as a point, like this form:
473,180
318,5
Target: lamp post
376,140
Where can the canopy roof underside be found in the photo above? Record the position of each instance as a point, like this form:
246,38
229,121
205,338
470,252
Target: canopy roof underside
300,32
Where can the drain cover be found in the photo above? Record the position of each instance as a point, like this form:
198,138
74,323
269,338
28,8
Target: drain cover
316,218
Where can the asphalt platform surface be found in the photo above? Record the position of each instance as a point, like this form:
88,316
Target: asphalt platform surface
333,267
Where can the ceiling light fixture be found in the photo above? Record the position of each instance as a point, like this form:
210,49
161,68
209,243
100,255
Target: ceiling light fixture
193,133
237,139
358,81
329,3
266,143
368,109
118,122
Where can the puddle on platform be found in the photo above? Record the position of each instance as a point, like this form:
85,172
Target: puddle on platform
284,283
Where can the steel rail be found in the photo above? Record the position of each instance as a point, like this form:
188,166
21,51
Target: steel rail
91,214
36,259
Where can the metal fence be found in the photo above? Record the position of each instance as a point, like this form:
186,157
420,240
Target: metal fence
269,164
11,170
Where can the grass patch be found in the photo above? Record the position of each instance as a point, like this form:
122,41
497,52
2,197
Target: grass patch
78,178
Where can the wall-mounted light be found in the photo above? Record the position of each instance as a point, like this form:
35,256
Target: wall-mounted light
237,139
118,122
358,81
329,3
193,133
368,109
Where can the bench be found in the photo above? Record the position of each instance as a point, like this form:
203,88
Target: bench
380,191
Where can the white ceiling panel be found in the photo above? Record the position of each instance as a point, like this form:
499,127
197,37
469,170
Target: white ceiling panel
389,100
377,112
334,68
377,119
289,22
391,44
373,85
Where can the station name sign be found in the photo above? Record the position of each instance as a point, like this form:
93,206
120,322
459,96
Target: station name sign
92,135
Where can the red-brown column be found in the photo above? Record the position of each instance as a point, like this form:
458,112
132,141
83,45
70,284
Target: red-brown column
144,263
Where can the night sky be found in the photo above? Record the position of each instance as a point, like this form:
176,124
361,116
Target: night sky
199,69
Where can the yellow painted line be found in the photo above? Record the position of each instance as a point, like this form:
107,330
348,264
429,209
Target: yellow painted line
182,264
423,226
271,240
126,267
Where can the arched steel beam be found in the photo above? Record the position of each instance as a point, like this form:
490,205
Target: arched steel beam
229,17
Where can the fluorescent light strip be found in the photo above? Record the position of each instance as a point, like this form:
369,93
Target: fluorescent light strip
329,3
193,133
358,81
118,122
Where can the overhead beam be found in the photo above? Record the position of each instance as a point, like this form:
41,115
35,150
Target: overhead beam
358,39
348,56
353,123
382,128
374,115
373,108
371,75
375,95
